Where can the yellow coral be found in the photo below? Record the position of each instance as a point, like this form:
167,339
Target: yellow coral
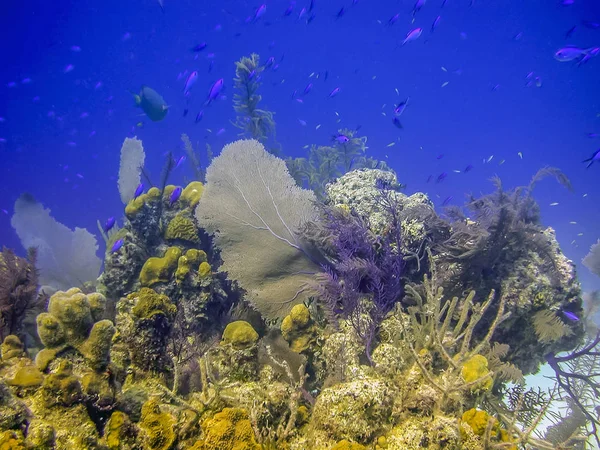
239,334
204,270
158,427
12,347
116,429
297,329
192,193
149,303
477,420
157,270
195,256
26,377
229,429
474,369
182,228
347,445
11,440
183,268
135,205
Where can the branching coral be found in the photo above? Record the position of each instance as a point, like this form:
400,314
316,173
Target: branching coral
577,375
18,290
500,226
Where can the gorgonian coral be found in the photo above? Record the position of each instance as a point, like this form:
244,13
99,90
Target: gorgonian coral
18,290
362,278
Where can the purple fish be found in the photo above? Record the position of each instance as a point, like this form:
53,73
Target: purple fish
138,190
435,23
571,316
447,200
190,81
441,177
590,135
340,13
289,9
440,156
179,161
68,68
199,116
397,123
335,92
340,138
468,168
398,110
308,88
198,48
301,13
117,246
110,223
215,90
175,195
260,11
591,25
418,6
594,158
591,53
270,62
412,35
570,32
393,19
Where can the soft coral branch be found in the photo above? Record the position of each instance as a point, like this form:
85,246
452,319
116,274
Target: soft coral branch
18,290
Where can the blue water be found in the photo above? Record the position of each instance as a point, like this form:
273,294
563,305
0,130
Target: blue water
62,132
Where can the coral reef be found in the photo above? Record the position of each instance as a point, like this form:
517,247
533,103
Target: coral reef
376,324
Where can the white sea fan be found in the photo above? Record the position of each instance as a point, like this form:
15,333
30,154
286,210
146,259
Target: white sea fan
253,207
130,170
592,260
66,258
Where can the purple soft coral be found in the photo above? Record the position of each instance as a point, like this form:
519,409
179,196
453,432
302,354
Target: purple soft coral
361,266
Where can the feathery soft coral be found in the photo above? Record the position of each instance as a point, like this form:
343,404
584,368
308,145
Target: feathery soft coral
362,278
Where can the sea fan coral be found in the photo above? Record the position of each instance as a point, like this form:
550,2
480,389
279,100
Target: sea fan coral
592,260
253,207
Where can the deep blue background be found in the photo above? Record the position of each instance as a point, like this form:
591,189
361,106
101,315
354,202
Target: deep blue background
48,143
